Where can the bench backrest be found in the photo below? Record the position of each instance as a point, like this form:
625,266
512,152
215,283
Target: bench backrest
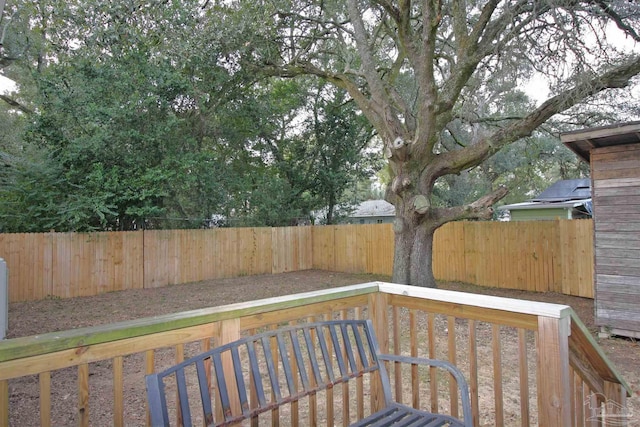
259,373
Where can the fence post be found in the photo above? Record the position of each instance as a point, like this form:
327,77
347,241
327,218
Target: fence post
4,299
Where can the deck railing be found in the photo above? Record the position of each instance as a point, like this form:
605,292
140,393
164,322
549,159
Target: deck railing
527,363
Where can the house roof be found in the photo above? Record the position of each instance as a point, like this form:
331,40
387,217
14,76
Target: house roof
566,189
374,208
570,204
565,194
583,141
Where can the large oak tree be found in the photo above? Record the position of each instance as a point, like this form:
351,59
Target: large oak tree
421,71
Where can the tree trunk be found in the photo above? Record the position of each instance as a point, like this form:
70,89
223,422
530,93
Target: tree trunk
412,264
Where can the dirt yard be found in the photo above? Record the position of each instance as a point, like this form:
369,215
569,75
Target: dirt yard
50,315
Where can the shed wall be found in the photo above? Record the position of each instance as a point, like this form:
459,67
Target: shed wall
615,172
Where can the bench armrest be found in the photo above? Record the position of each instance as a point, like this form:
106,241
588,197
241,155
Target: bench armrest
463,387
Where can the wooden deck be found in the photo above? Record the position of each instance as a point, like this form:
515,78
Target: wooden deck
527,363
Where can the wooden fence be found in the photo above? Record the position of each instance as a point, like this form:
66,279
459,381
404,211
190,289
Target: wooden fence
540,256
64,265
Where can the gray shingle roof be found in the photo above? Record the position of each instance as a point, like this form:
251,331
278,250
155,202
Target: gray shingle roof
374,208
565,190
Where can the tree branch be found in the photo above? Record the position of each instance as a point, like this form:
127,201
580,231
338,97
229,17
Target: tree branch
480,209
424,66
459,160
390,124
608,10
16,104
459,17
370,108
483,42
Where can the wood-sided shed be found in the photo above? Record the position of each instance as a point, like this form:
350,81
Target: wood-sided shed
613,153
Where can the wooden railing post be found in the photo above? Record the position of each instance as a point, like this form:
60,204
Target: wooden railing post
378,313
554,381
228,331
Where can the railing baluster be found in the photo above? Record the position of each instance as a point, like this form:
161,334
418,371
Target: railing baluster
397,372
578,387
433,378
294,349
271,345
473,373
593,409
118,399
453,388
572,374
616,403
331,340
359,380
415,379
346,400
45,398
524,377
497,374
4,402
83,395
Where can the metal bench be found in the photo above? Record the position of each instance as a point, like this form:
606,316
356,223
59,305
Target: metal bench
260,373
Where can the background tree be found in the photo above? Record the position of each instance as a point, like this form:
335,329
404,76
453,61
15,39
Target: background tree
138,117
341,145
416,69
312,145
114,117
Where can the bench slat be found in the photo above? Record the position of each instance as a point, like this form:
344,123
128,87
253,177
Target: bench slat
349,346
317,379
222,386
300,361
273,377
255,373
286,365
326,358
242,391
183,397
205,395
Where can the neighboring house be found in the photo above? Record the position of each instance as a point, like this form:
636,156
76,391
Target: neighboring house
372,212
566,199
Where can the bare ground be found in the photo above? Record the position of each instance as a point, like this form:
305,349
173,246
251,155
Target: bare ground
30,318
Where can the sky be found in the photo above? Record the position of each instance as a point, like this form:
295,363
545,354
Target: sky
6,85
